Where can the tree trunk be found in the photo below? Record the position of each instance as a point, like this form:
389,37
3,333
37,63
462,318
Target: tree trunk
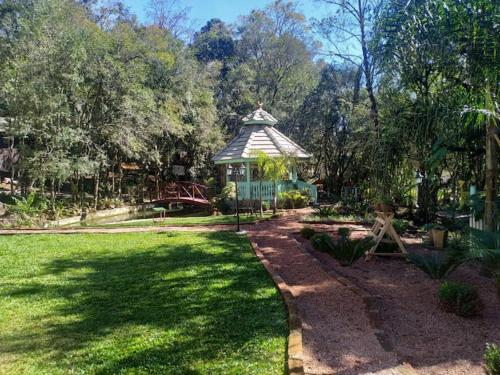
53,194
120,180
490,185
260,198
157,183
275,199
96,190
367,70
12,174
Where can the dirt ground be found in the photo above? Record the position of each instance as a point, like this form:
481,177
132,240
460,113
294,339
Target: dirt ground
433,341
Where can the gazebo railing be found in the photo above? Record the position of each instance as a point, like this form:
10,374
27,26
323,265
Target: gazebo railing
251,190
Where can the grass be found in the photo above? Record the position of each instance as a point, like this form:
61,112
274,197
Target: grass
177,303
334,219
187,221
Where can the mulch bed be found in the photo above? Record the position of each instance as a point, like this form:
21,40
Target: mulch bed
433,341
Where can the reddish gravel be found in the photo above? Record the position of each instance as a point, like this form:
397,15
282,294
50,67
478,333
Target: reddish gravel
433,341
337,335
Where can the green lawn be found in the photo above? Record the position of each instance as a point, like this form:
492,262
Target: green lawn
188,220
177,303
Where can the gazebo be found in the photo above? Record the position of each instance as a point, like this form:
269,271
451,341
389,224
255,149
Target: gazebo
258,134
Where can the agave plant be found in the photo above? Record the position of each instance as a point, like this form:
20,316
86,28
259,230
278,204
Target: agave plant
437,264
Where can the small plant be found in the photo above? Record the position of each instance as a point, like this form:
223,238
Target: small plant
460,299
347,251
492,359
344,232
325,211
265,206
438,264
400,225
307,232
293,199
322,242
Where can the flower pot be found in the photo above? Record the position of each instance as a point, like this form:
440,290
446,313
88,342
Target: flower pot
384,207
439,237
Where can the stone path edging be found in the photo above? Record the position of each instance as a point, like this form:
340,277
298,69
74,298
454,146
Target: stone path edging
295,365
370,301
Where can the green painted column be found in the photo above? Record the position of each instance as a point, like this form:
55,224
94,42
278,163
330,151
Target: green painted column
249,172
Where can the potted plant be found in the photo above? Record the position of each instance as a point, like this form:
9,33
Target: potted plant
383,204
439,236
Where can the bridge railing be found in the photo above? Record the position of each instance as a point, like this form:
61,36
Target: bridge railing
184,189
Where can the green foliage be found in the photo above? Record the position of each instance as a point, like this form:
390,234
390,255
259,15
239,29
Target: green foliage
485,247
460,299
400,225
32,205
325,211
347,251
293,199
492,359
322,242
307,232
344,232
228,191
438,264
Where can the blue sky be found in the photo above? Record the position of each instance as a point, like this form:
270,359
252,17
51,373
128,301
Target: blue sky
226,10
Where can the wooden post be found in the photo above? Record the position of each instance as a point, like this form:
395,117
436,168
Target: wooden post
491,178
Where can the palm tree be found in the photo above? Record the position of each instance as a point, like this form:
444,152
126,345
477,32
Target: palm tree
275,169
262,161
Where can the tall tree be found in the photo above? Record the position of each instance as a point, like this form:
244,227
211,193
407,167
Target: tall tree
349,31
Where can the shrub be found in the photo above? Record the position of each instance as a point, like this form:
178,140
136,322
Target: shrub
344,232
492,359
307,232
293,199
347,251
322,242
265,205
460,299
438,264
228,191
485,247
325,211
400,225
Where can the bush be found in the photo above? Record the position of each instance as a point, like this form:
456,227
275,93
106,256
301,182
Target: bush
322,242
438,264
265,206
325,211
293,199
344,232
400,225
307,232
460,299
492,359
347,251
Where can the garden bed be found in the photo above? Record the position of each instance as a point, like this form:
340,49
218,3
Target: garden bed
433,341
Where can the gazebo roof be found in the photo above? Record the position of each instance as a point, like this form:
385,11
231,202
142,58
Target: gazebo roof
258,134
259,116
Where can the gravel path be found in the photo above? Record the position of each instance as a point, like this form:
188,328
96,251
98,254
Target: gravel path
337,335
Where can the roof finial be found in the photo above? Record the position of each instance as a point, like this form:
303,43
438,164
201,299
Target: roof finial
260,104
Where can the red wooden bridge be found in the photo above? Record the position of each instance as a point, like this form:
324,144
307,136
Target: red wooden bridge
184,192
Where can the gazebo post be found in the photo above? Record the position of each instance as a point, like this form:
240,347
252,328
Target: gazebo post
249,192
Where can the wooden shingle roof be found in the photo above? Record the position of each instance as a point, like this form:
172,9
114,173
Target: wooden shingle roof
258,134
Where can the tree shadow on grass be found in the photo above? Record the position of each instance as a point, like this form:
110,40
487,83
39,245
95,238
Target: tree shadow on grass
172,308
